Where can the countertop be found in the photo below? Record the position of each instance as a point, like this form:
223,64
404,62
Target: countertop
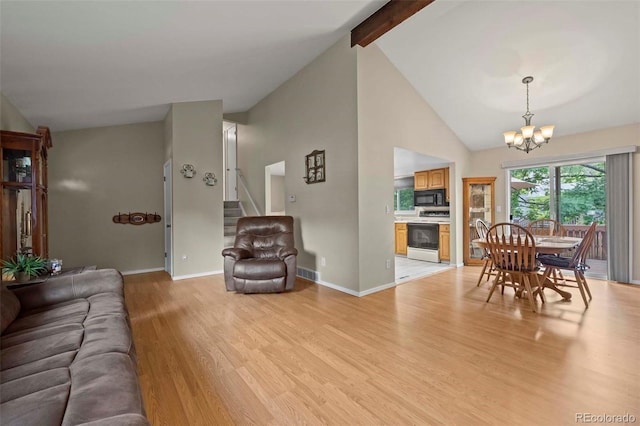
413,219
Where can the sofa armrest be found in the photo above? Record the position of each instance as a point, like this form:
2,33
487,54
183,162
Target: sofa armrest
237,253
287,252
68,287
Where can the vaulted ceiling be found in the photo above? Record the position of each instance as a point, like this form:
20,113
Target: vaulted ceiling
467,59
87,64
78,64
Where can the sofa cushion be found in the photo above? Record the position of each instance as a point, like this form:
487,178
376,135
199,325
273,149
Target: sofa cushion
43,408
9,308
70,312
57,361
34,383
259,269
103,386
40,349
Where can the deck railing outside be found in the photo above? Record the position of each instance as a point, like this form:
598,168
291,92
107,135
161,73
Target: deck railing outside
598,248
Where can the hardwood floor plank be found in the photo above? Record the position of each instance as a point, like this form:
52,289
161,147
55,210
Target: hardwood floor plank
430,351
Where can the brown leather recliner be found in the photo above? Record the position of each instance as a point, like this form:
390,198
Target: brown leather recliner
263,257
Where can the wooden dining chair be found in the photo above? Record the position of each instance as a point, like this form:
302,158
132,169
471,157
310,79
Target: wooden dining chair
546,227
576,263
549,228
513,250
487,268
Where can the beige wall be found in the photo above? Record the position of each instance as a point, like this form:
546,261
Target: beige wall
391,113
196,132
315,109
277,194
168,135
12,119
93,175
488,163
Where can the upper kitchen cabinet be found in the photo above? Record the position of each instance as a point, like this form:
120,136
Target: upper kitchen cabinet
436,179
432,179
421,180
478,203
24,192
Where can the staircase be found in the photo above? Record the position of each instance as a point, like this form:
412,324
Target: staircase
232,212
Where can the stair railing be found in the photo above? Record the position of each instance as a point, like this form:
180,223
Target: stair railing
243,183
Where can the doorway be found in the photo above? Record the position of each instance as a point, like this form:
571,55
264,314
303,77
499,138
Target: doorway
421,261
230,152
274,192
573,194
168,250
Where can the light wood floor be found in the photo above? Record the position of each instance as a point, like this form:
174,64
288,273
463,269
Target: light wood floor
429,351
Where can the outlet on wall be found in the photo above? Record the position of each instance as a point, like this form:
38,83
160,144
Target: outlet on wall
323,261
387,264
184,257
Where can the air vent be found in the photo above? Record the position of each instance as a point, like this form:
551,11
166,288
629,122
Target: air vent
308,274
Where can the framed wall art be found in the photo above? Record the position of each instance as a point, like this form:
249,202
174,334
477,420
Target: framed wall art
315,167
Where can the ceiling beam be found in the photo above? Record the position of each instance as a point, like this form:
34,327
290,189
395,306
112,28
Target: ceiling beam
384,19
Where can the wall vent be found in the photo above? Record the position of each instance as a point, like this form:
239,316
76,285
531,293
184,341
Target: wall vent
308,274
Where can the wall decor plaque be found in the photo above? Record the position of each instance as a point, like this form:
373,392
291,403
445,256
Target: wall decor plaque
315,167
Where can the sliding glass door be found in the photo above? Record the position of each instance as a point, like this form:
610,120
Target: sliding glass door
573,194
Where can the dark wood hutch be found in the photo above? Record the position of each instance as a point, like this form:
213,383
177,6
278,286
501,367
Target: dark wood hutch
24,192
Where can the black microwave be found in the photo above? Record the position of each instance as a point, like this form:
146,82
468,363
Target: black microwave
430,198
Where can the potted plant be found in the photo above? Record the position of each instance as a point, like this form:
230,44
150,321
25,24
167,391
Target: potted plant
23,267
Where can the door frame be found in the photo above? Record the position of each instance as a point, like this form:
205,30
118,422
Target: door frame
168,218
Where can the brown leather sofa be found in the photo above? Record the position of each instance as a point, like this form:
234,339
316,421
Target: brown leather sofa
263,258
67,354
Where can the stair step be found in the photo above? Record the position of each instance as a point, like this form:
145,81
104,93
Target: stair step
232,204
229,230
230,221
232,212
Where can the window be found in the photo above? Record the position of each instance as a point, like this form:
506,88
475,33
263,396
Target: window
403,199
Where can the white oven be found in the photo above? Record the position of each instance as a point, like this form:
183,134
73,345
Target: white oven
423,241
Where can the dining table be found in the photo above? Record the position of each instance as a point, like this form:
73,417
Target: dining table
547,245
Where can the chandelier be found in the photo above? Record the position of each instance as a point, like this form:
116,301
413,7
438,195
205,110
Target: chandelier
530,138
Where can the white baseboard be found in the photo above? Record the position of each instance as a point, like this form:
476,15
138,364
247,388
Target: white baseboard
141,271
459,265
337,287
377,289
635,282
348,290
198,275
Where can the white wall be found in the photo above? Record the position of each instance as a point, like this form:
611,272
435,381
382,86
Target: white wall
93,175
390,114
198,224
488,163
315,109
12,119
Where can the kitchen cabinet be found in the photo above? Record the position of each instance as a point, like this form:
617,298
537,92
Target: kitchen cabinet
446,184
421,180
23,192
436,179
445,246
401,238
432,179
478,202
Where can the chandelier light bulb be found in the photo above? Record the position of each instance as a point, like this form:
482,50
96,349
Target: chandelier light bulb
547,131
509,136
537,137
518,140
527,131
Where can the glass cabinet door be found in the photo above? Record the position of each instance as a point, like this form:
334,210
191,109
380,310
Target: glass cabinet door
479,203
16,166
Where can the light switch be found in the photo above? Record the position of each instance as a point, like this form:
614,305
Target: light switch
498,209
